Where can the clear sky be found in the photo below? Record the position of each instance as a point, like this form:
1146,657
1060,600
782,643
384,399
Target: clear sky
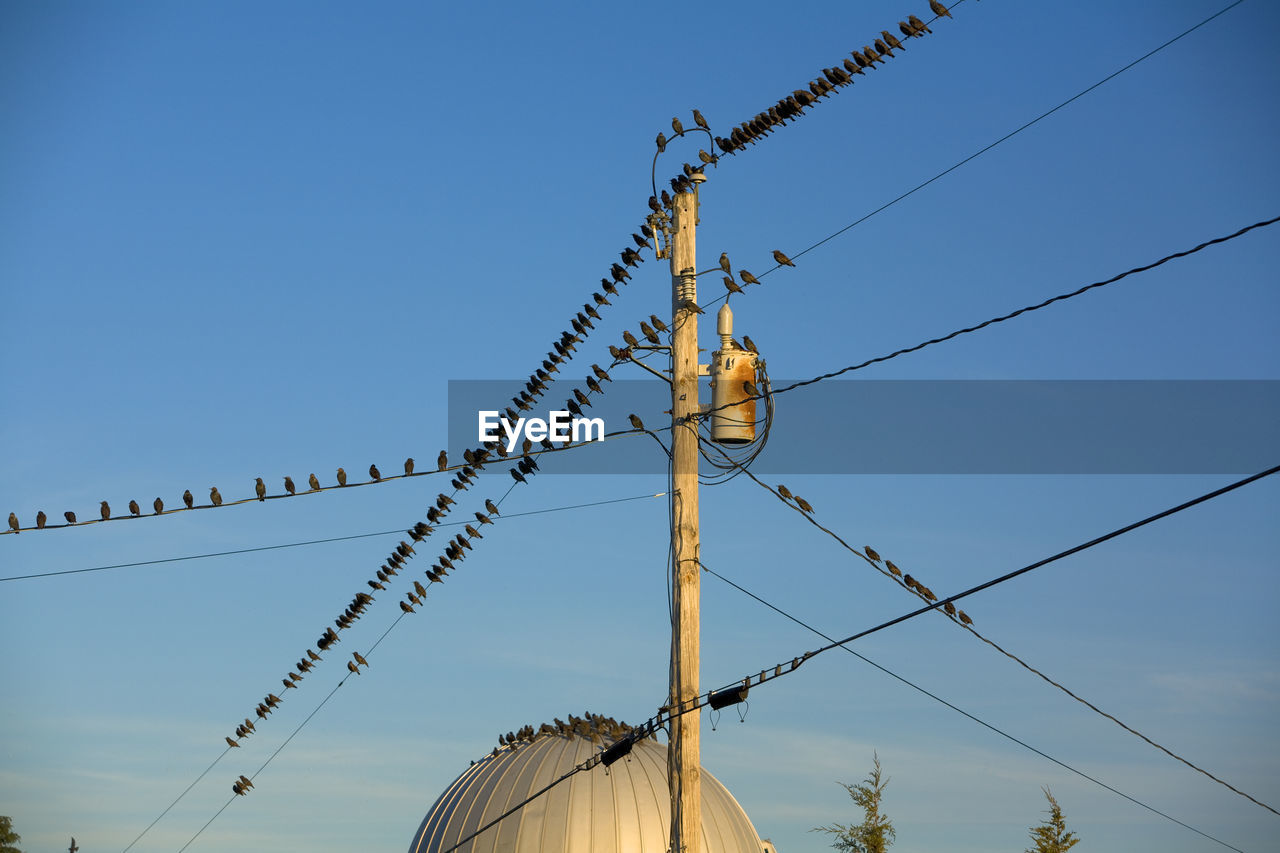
245,239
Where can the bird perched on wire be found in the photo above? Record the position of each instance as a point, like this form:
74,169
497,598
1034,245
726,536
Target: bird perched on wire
783,260
342,477
289,487
891,40
747,277
490,507
700,121
731,285
751,389
105,511
871,553
215,497
894,570
442,461
635,421
408,466
314,482
13,522
662,146
260,488
918,25
677,126
803,504
374,473
69,516
939,9
41,518
134,509
724,264
784,491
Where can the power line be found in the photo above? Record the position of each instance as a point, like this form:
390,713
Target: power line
958,710
667,713
960,618
1025,310
315,541
1002,139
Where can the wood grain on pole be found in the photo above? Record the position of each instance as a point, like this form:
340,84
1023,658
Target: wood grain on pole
683,762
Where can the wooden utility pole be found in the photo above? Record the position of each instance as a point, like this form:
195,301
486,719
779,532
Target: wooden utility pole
684,766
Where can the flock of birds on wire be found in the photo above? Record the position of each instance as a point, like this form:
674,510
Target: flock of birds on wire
563,348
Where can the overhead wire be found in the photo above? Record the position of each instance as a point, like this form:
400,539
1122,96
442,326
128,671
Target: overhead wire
318,541
669,712
953,707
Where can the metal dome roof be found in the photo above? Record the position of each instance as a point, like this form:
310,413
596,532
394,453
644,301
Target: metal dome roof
624,808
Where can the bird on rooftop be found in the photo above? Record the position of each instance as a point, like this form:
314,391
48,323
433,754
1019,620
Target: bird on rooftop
342,477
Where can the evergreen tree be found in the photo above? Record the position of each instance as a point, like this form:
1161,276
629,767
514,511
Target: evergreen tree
1052,835
875,834
8,838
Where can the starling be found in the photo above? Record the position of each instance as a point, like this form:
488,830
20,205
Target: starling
803,504
918,25
892,40
724,264
748,277
134,509
261,489
289,487
313,655
700,121
517,476
105,510
677,126
245,782
657,323
897,572
783,260
13,522
964,617
442,461
784,491
600,373
883,48
69,516
662,146
706,158
235,786
594,386
630,339
405,607
950,608
373,472
314,482
731,285
215,497
906,29
910,581
649,334
750,388
342,477
750,344
41,518
491,508
351,666
871,554
635,421
408,466
232,743
939,9
359,658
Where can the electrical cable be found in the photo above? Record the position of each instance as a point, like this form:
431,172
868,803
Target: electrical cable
317,541
958,710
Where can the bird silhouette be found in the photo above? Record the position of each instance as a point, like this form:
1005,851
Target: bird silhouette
782,259
13,522
314,482
892,40
215,497
74,847
918,25
408,466
517,476
750,388
260,489
134,509
342,477
374,473
105,510
69,516
41,518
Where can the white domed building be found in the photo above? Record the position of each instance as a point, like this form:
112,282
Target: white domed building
622,808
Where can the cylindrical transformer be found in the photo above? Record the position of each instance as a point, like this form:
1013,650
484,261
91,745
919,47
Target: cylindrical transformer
734,418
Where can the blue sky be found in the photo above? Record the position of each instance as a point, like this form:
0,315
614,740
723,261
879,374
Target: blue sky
240,240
